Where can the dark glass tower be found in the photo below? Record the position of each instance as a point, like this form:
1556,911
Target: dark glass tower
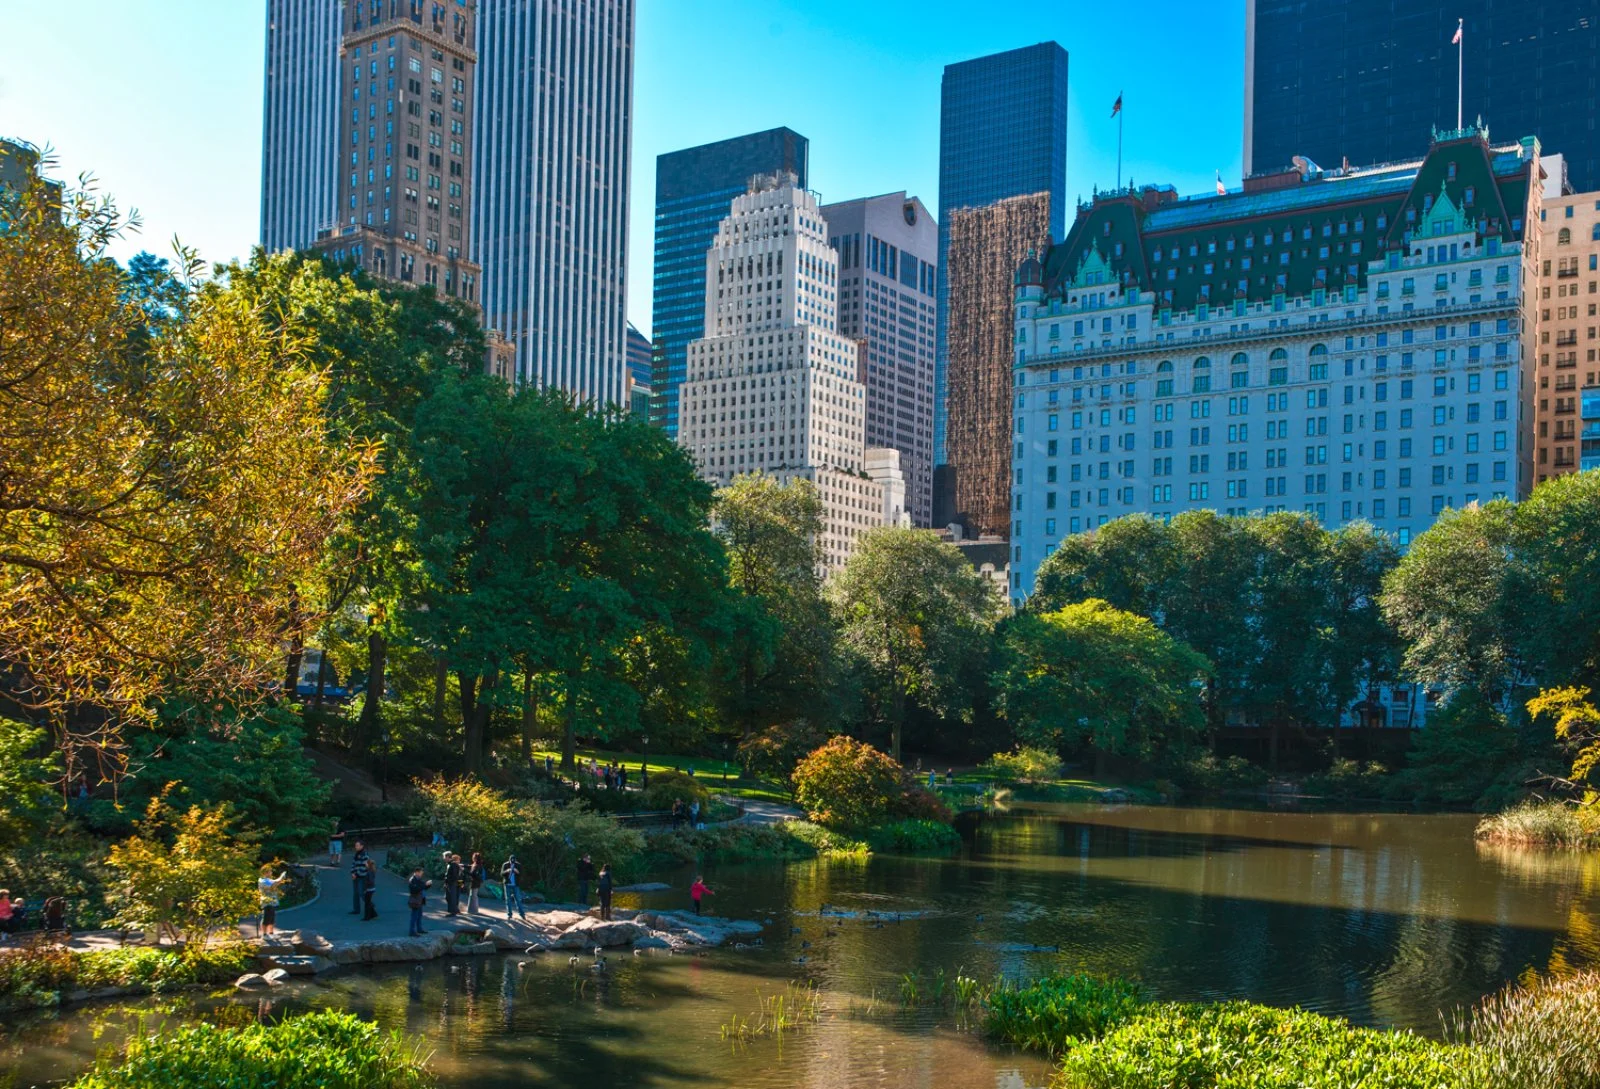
1002,134
1361,79
694,190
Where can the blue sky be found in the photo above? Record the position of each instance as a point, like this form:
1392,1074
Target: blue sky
166,111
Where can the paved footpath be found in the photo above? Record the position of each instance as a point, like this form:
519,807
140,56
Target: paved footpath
757,811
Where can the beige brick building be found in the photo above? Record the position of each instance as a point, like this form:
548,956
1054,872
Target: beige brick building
1567,370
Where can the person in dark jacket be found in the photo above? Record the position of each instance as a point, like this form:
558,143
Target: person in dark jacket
585,875
603,888
477,873
358,869
454,875
511,880
417,888
369,889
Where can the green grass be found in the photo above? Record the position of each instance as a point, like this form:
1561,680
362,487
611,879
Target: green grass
1544,824
330,1050
709,770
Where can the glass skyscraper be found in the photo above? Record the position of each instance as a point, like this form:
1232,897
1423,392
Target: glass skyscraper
1002,134
1359,79
694,190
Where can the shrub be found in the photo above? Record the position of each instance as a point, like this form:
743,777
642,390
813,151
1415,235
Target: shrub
550,840
471,815
1544,824
909,836
36,974
331,1050
824,841
1467,746
1235,1045
667,787
774,752
731,843
1053,1013
1025,764
1542,1036
1206,773
848,785
919,803
1349,779
184,873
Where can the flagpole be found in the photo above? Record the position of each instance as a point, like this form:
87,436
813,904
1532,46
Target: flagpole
1119,145
1461,46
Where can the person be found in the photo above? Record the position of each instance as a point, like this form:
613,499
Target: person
677,813
268,887
511,878
369,889
358,867
5,915
550,765
698,891
55,916
438,839
585,875
694,814
603,887
622,778
949,777
454,876
476,873
19,914
933,778
336,848
416,889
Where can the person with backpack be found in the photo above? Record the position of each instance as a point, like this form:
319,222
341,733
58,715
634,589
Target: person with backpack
417,890
585,875
476,874
454,876
511,880
603,888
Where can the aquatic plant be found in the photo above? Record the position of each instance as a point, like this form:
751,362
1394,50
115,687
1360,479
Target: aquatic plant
1053,1013
1233,1045
331,1050
1542,1035
910,836
1544,824
796,1006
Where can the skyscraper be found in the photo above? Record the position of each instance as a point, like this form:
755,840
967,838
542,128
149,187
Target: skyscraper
405,197
887,250
694,188
300,122
1358,79
1002,133
1567,416
773,386
550,219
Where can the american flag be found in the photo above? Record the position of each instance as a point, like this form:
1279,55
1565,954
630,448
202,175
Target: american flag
1222,190
1453,41
1116,107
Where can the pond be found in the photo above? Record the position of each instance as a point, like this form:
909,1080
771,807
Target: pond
1387,919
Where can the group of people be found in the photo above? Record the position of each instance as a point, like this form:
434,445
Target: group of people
14,915
686,814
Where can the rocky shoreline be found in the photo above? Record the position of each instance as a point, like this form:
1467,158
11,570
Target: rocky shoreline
284,956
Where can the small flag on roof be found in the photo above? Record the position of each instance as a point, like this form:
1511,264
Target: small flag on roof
1457,39
1116,107
1222,190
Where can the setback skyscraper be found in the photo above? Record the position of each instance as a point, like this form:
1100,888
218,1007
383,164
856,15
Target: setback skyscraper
1357,80
1002,134
694,188
300,122
887,250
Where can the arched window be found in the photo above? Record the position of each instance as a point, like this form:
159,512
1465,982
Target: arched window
1164,367
1564,236
1240,378
1279,355
1278,368
1202,364
1241,360
1202,375
1164,384
1318,349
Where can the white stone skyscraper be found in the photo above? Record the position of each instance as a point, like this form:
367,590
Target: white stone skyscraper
550,217
300,122
774,387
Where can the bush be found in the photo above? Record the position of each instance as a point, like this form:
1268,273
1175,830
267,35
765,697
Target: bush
470,815
1053,1013
919,803
330,1050
36,974
1025,764
1467,746
774,752
1542,1036
550,840
731,843
1544,824
667,787
184,873
824,841
1348,779
1239,1045
848,785
910,836
1206,773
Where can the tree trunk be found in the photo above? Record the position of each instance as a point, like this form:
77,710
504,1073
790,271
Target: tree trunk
297,647
530,717
469,715
569,733
371,722
1272,761
441,688
897,715
322,674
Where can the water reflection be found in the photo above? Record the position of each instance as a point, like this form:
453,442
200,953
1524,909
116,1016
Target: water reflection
1387,919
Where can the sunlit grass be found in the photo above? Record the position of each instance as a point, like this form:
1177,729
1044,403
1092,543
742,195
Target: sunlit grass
797,1006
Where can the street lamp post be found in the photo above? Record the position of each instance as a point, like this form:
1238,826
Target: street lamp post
644,769
383,768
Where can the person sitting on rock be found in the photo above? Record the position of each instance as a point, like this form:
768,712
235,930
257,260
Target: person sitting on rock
603,889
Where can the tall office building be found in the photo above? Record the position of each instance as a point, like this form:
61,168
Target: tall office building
1357,80
694,188
638,383
1002,134
300,162
405,192
1356,345
1568,367
888,271
773,387
555,123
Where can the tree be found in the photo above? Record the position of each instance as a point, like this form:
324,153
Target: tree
160,494
848,784
781,638
1126,562
25,782
1577,726
1447,598
912,609
1552,599
184,873
1090,674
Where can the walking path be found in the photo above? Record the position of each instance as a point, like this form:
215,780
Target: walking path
757,811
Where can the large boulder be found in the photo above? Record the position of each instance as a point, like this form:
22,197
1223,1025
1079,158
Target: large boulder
250,981
277,977
689,929
591,932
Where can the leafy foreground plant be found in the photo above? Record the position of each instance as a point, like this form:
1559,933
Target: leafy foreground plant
1239,1045
1057,1012
1542,1036
37,974
796,1006
327,1050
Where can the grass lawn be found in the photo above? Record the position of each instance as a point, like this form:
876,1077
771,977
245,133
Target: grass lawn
719,776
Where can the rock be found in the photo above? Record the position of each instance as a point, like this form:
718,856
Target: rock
475,949
297,965
311,943
652,941
250,981
276,977
590,932
275,943
559,918
688,929
645,886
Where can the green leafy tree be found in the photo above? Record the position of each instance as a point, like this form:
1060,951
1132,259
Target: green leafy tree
1552,597
182,874
1126,562
913,611
26,778
1466,748
1093,675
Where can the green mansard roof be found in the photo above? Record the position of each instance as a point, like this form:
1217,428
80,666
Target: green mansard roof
1144,237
